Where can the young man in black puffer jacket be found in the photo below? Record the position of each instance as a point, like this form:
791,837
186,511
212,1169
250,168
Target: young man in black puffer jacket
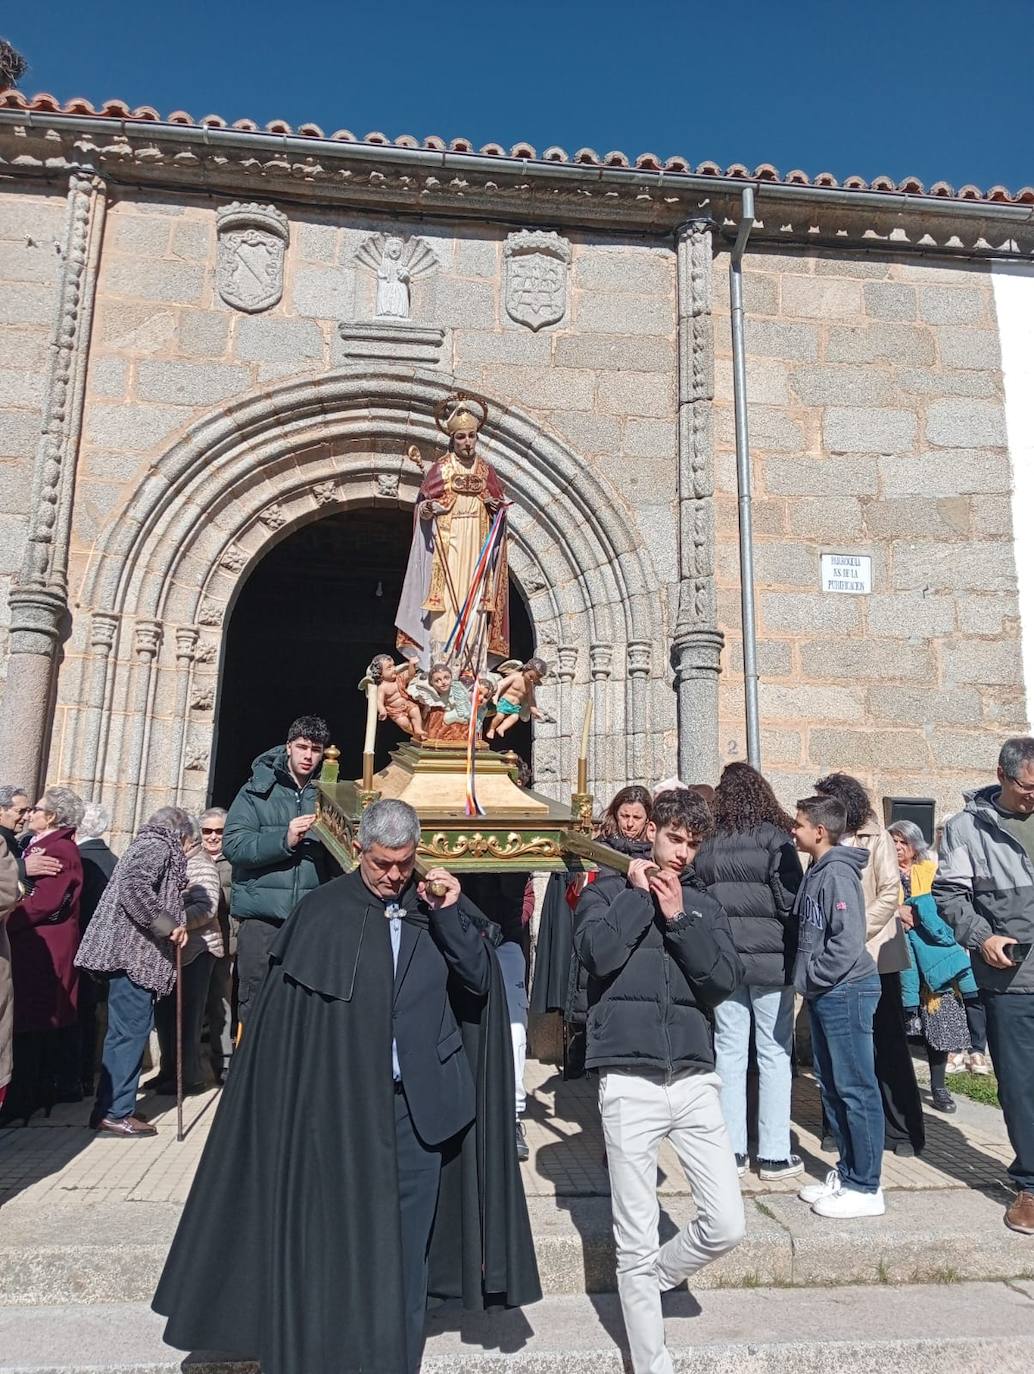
660,957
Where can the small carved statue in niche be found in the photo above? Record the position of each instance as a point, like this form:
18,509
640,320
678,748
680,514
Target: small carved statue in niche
396,263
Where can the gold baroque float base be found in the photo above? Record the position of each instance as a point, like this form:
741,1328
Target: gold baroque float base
521,831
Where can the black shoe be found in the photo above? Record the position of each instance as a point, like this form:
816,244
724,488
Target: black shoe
164,1087
741,1165
827,1145
904,1149
523,1152
942,1101
789,1167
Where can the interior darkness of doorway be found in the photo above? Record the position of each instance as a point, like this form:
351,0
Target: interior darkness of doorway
305,625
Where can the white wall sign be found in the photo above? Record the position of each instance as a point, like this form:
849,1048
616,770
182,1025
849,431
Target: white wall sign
847,572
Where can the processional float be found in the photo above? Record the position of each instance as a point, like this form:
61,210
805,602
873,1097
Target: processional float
458,692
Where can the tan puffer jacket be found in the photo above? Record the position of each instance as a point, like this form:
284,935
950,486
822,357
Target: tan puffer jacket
881,885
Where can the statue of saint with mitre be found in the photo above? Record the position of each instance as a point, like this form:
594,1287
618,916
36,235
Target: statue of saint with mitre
455,603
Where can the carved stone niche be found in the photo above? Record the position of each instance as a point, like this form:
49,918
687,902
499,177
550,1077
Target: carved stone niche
536,277
394,265
252,241
391,289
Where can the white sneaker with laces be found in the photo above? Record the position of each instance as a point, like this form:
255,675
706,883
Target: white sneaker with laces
847,1202
830,1186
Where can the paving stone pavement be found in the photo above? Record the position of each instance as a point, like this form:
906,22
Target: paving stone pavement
61,1157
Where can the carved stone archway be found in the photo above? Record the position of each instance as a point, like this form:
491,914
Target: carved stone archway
140,696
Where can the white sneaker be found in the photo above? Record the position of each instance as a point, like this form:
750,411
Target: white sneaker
828,1188
979,1063
957,1062
847,1202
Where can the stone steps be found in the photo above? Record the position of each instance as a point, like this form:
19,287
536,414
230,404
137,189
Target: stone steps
72,1251
968,1328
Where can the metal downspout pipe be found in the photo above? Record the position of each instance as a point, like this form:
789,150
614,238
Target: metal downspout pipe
739,388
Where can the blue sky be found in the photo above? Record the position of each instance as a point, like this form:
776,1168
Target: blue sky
938,90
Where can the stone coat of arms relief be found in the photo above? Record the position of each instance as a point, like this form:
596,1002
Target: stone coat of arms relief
536,277
252,241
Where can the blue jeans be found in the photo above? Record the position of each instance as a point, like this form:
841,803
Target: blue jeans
130,1018
773,1037
842,1052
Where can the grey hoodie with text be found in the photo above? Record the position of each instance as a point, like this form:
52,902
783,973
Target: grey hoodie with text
830,910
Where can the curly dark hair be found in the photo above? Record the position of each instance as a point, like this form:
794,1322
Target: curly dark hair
628,796
856,800
682,810
744,800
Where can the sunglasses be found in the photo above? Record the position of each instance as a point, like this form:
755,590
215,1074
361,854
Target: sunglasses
212,829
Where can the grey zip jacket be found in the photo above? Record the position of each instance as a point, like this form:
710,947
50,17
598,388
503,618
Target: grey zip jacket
985,886
830,910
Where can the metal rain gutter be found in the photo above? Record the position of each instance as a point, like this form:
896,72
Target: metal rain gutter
739,389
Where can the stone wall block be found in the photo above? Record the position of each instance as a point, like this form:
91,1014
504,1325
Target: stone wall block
880,343
774,339
464,304
966,347
966,424
613,352
791,613
856,749
647,271
975,753
853,476
978,565
924,705
193,240
988,615
985,663
203,333
31,214
140,236
820,298
193,384
323,293
140,329
842,385
833,518
21,390
869,658
153,279
624,312
265,339
943,517
852,429
19,431
805,702
772,430
108,377
543,388
908,615
133,427
315,242
26,303
519,346
954,304
34,260
635,394
958,473
941,383
22,349
775,658
888,300
768,381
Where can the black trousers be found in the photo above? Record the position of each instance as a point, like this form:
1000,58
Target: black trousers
899,1091
902,1107
253,944
1010,1038
419,1174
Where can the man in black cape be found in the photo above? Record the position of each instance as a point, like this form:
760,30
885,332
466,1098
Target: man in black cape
362,1158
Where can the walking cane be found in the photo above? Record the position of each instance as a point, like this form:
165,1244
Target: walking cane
179,1043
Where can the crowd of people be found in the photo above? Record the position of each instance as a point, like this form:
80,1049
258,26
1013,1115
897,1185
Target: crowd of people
724,924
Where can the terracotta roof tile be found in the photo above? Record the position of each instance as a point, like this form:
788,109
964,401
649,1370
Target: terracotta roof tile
45,104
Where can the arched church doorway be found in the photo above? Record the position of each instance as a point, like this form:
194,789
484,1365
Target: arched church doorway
307,621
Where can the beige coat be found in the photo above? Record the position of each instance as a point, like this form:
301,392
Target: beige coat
8,898
881,888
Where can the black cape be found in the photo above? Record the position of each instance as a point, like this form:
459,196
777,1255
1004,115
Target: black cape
289,1248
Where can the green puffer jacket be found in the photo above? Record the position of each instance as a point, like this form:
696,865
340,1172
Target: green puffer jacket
269,879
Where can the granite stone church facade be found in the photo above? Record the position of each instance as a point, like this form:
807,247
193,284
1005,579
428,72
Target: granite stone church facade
215,341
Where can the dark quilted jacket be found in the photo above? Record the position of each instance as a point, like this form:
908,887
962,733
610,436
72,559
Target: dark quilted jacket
755,875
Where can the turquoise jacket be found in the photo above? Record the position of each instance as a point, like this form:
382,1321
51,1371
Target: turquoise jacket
934,955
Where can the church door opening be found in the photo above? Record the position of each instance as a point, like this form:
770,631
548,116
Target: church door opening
306,623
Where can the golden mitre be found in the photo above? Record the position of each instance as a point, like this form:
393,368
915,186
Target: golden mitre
460,414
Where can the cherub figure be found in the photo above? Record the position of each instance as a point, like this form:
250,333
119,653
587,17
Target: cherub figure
393,701
515,696
442,692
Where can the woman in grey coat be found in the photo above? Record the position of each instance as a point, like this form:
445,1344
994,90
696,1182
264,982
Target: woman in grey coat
131,942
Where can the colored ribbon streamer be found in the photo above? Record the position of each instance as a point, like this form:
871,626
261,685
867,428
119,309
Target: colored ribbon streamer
473,806
466,620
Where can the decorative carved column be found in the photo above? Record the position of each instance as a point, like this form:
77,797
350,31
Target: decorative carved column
147,638
39,596
601,658
186,646
566,667
103,628
697,643
639,765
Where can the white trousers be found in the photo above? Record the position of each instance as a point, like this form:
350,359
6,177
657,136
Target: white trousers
638,1112
515,980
